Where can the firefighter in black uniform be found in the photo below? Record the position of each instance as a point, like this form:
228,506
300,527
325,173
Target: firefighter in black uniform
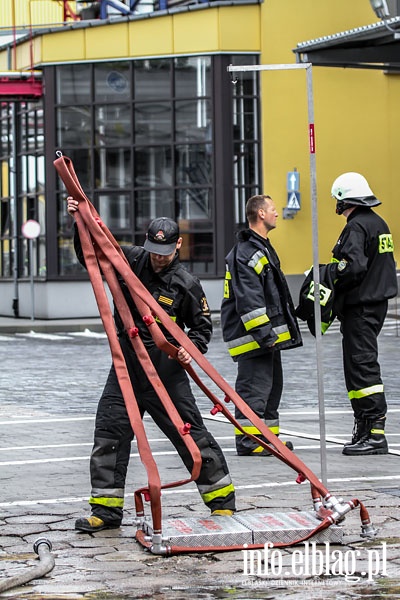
180,294
258,320
364,271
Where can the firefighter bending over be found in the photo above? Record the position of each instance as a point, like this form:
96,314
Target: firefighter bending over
180,294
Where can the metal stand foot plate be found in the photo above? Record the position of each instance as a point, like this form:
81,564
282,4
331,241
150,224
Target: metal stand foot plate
245,528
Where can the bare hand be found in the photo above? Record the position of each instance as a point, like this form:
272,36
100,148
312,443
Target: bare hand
183,356
72,205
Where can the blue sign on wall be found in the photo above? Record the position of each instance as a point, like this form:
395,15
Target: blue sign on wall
293,181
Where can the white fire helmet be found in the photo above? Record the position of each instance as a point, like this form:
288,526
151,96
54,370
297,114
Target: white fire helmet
353,189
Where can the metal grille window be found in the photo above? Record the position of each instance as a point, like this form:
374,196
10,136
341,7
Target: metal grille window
143,137
22,185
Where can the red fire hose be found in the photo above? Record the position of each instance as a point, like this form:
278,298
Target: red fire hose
104,259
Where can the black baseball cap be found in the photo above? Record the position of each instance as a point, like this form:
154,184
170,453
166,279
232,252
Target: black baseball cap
161,237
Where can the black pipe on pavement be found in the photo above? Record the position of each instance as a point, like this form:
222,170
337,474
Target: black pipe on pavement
43,548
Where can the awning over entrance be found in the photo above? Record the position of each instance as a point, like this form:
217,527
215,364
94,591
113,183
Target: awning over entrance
375,46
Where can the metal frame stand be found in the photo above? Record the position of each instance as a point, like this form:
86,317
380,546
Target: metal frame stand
313,184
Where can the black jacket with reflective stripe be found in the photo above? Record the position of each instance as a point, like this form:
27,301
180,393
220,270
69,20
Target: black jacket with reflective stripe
257,309
175,289
364,267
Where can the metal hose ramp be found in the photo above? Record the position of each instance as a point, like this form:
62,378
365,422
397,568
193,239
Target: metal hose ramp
43,548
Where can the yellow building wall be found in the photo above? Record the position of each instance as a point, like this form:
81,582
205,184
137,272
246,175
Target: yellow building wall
357,121
31,12
357,125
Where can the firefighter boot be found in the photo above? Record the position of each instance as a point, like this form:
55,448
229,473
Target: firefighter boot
360,428
373,441
93,524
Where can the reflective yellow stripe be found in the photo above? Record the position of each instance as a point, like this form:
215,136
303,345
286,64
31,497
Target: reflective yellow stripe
257,450
256,322
379,431
158,320
258,261
244,348
334,260
220,493
166,300
260,265
114,502
283,337
324,326
248,429
254,431
373,389
228,277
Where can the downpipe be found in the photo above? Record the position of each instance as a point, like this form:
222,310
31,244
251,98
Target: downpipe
43,548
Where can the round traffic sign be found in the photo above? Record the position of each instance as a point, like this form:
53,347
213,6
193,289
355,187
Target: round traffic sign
31,229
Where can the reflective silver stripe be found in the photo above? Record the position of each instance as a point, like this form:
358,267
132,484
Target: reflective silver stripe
255,318
206,489
258,261
373,389
107,492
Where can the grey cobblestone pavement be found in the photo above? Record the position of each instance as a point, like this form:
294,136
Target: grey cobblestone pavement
51,377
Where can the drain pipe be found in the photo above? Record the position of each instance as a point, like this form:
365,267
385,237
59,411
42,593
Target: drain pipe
43,548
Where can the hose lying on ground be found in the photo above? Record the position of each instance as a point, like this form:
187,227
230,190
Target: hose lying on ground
42,547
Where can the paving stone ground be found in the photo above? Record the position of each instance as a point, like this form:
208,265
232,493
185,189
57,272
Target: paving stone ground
49,393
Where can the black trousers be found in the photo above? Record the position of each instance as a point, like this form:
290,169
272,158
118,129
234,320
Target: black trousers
360,327
114,434
259,382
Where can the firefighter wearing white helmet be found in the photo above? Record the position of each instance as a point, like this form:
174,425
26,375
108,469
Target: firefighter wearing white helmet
365,278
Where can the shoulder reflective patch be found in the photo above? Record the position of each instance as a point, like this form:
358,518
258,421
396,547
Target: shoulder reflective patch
324,294
385,243
258,261
342,265
204,306
165,300
228,277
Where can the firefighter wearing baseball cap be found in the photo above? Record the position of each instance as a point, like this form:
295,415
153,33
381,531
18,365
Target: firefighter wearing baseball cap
365,278
181,295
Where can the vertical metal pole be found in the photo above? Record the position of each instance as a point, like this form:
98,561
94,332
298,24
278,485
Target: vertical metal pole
32,285
317,307
14,208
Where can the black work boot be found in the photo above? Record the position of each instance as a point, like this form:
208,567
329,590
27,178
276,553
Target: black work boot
92,524
360,428
373,441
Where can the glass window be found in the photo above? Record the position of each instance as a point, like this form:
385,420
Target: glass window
113,125
194,203
192,76
153,166
153,122
193,121
193,164
68,264
74,127
112,82
141,135
73,83
152,80
152,203
113,168
114,210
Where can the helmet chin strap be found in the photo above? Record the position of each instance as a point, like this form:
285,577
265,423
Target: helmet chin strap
341,206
